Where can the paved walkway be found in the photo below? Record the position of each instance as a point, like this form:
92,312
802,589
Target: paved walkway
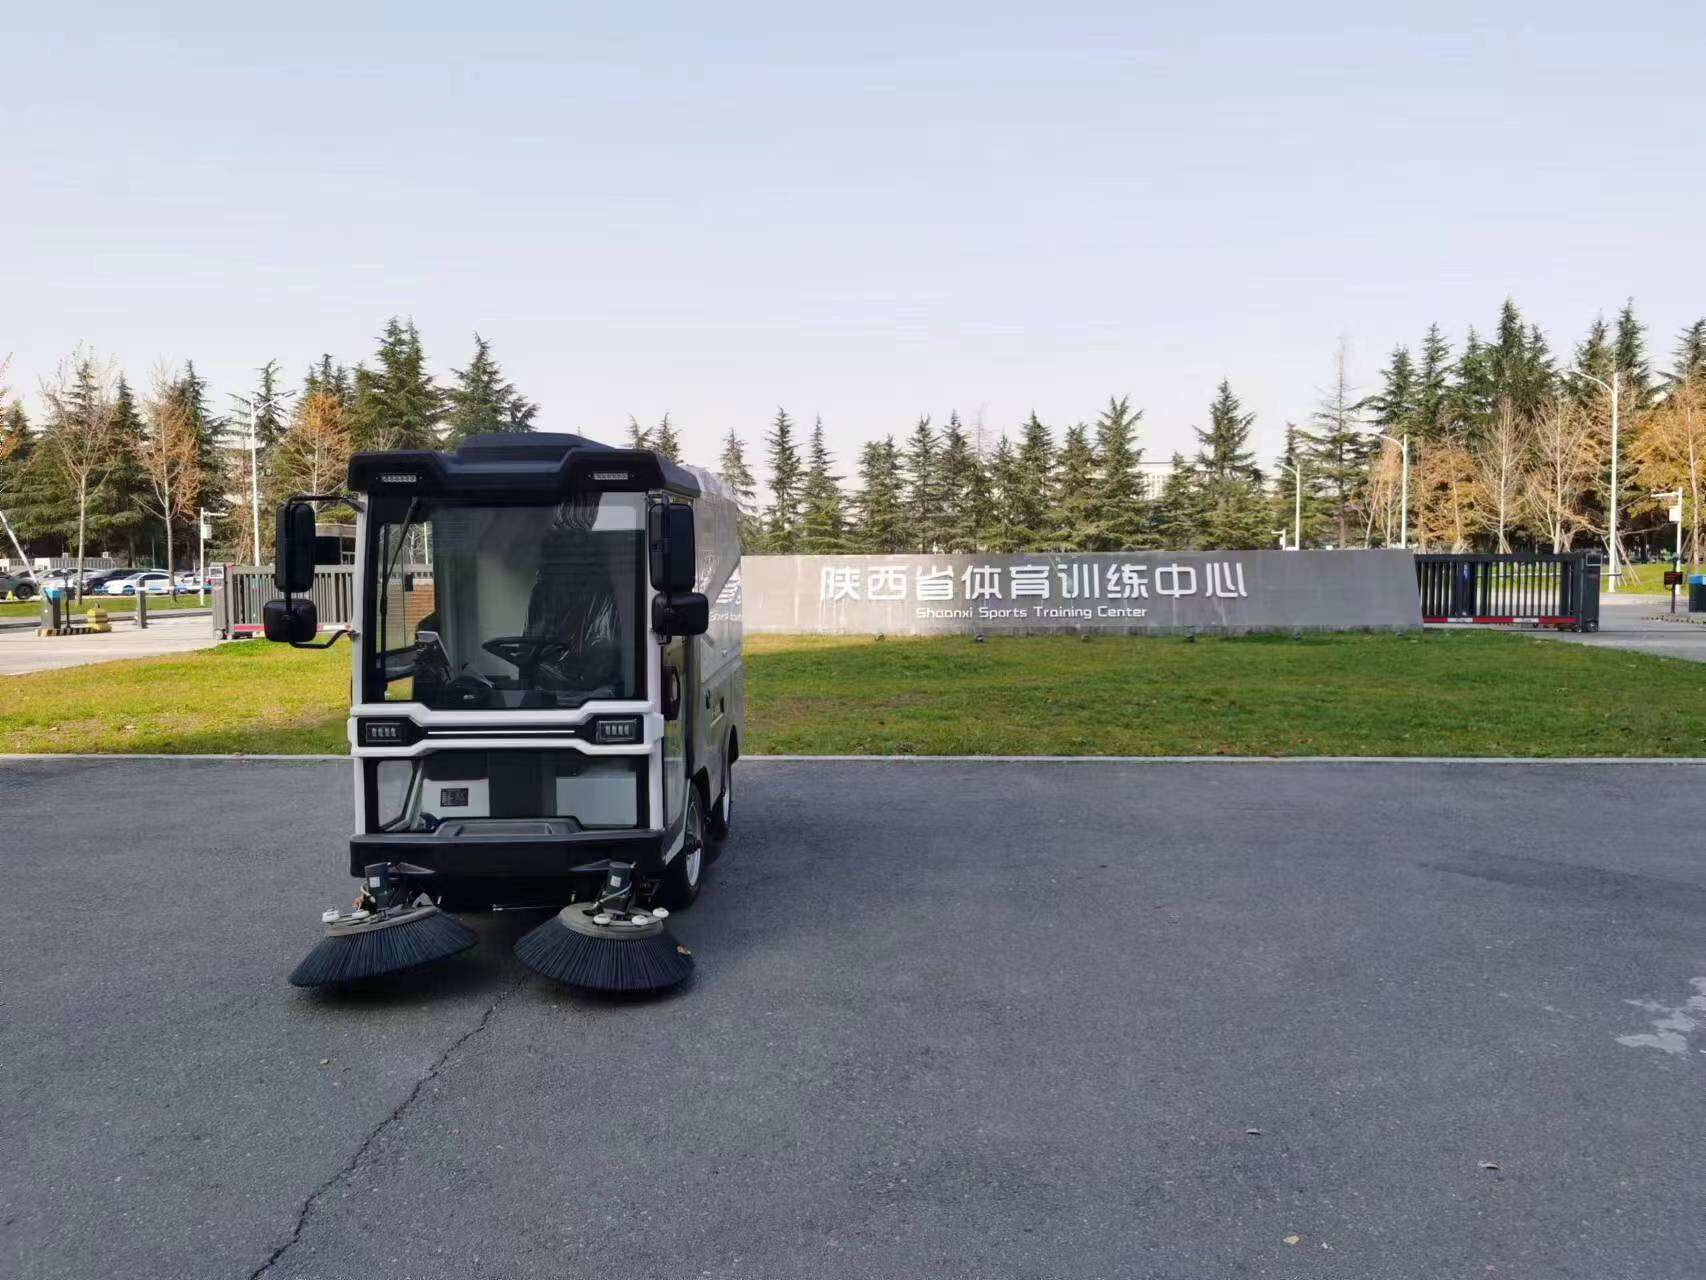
22,651
1643,624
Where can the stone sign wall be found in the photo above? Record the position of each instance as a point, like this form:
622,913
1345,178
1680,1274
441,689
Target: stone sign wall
1138,591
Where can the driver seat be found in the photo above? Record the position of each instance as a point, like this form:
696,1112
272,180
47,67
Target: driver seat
573,603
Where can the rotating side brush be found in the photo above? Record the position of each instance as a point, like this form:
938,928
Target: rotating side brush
381,936
607,946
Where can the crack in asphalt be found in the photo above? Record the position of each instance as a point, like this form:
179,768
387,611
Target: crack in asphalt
354,1162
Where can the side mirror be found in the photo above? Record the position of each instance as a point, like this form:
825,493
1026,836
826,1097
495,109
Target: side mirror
674,554
293,569
290,621
686,614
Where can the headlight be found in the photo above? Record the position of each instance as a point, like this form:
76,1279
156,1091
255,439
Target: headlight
614,731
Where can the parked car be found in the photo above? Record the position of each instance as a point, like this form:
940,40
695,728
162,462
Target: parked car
97,579
20,585
154,582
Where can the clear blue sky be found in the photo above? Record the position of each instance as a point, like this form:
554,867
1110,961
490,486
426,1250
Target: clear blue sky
868,213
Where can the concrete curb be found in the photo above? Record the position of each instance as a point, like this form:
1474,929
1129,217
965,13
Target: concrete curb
7,758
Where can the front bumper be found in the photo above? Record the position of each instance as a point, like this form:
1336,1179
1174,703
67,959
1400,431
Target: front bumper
552,851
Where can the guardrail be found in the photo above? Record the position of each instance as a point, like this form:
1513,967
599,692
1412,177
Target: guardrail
1536,589
238,601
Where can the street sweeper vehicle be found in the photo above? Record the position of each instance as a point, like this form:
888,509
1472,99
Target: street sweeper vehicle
546,700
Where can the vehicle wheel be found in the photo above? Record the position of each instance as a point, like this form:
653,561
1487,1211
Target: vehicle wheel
23,591
722,812
680,884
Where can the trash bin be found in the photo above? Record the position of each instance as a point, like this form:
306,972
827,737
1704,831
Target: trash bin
1697,593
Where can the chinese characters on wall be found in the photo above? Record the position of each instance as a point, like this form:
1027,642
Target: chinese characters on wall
1079,581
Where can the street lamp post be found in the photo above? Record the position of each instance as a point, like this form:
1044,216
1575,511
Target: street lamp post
1611,504
1297,507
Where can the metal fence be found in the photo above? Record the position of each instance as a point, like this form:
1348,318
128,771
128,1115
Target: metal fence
237,602
1537,589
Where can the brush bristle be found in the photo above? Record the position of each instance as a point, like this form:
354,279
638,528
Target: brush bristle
354,956
654,962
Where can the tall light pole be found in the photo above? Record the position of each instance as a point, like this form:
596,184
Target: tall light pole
255,483
1611,520
1297,508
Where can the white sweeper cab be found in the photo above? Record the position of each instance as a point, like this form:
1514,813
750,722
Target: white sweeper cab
546,700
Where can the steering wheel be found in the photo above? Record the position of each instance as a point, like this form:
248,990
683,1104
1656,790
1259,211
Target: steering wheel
523,651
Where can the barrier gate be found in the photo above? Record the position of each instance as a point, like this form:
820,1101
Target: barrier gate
1536,589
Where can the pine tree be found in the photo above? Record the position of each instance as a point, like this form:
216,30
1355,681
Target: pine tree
210,428
638,436
1072,522
737,476
1594,359
480,402
1690,366
1178,514
1235,511
921,466
782,521
1337,451
1027,504
881,503
823,523
16,448
1433,386
1117,519
977,507
1629,357
1394,407
268,404
1317,515
331,378
1224,452
1519,366
118,495
397,403
1006,495
1470,400
666,441
957,526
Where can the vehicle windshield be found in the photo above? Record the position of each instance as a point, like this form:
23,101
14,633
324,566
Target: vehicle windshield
507,606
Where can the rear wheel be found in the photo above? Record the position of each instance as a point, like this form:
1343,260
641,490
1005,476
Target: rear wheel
680,885
722,812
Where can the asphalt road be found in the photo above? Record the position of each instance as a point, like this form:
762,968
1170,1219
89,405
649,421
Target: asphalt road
951,1020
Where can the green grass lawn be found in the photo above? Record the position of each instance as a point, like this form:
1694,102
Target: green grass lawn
31,608
1646,579
1455,693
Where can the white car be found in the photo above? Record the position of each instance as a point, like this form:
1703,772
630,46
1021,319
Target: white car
155,582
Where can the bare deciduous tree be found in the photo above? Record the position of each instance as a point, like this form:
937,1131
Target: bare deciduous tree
1500,463
1565,464
169,459
313,455
1383,496
1668,452
81,402
1445,496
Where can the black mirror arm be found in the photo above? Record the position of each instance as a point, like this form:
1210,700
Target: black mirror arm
327,644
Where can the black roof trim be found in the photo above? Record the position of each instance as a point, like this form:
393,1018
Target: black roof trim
519,463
